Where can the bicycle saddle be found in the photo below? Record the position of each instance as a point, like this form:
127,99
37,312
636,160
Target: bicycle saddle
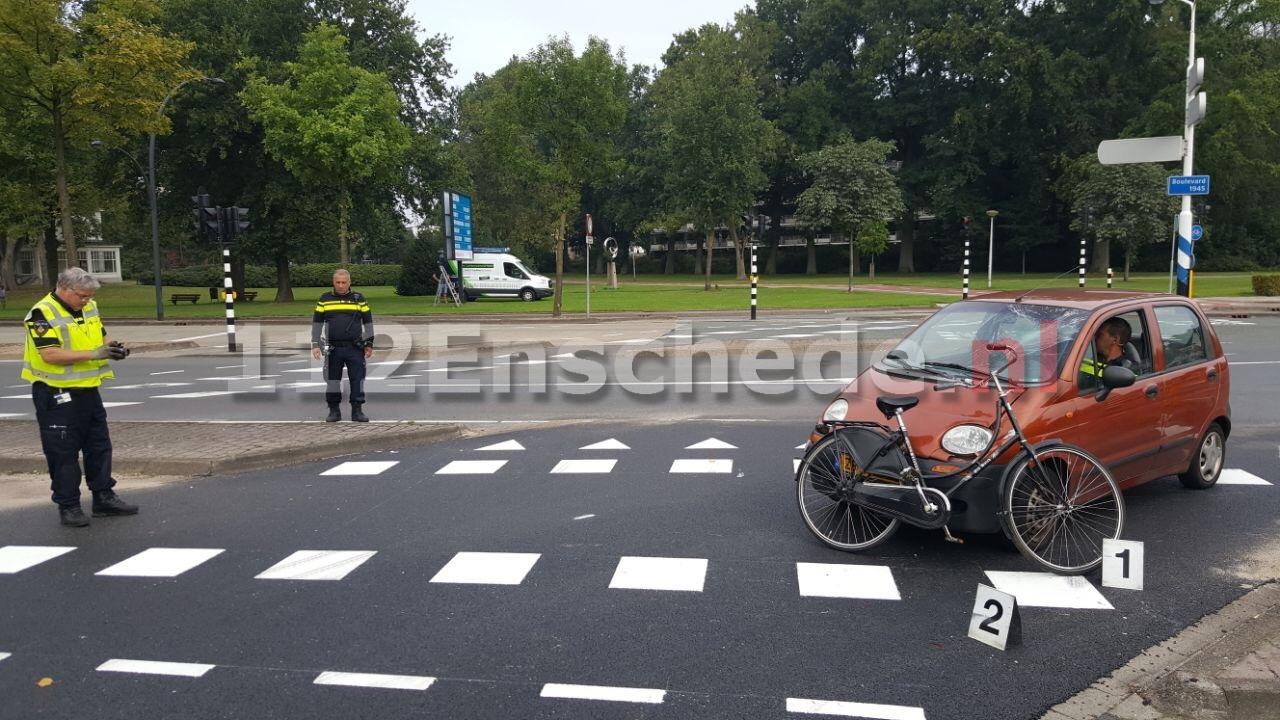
890,405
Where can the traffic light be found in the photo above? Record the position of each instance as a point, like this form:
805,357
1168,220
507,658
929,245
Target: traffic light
211,222
236,221
201,201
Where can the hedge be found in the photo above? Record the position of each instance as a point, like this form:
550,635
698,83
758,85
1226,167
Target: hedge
264,276
1266,285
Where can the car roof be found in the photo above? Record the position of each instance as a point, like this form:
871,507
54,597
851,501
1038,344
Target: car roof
1075,297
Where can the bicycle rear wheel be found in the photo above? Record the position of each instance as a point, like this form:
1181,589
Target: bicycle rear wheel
1059,505
824,489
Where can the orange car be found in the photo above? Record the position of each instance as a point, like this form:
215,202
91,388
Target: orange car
1174,419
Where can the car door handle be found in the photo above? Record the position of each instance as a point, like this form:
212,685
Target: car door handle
1213,374
1152,391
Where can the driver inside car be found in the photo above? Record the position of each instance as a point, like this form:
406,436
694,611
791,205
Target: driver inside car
1109,348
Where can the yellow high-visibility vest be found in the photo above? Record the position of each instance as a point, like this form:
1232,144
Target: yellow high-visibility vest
84,333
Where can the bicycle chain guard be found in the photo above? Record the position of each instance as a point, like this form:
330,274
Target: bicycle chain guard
903,502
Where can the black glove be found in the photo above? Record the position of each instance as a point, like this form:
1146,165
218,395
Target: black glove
116,350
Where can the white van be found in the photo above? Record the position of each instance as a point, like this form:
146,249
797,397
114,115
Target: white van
492,272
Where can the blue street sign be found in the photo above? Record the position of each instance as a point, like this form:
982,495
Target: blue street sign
1197,232
1188,184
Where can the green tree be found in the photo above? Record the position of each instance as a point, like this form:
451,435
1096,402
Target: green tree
853,191
1125,204
538,134
97,70
333,125
709,138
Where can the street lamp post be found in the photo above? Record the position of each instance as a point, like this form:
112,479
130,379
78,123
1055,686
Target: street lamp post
1194,106
991,244
151,194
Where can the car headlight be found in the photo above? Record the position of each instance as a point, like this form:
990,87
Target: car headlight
836,410
966,439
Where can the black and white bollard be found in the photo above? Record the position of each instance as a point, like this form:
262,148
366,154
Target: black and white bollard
1082,267
754,282
230,295
1109,273
965,294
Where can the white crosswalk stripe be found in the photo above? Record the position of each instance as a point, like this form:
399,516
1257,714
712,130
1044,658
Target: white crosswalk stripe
472,467
153,667
370,680
487,568
16,558
317,565
660,573
867,582
362,467
1036,589
161,562
583,467
701,465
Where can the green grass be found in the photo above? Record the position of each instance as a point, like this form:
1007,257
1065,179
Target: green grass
652,293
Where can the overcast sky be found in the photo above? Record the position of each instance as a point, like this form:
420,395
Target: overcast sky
484,34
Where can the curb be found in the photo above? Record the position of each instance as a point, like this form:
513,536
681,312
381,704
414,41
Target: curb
209,465
1209,670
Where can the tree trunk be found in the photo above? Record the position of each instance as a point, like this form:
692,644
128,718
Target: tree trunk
906,242
711,239
811,265
284,287
1126,267
873,267
8,278
64,195
737,251
669,262
558,248
697,259
344,213
1101,259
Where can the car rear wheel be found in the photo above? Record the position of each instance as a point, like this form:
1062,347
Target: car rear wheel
1206,464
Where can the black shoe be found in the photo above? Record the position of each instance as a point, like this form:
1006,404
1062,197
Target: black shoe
108,503
334,414
73,516
357,415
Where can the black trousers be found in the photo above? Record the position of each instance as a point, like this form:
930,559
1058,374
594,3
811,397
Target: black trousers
352,358
67,428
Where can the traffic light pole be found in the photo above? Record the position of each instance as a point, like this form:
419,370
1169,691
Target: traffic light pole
229,294
1185,248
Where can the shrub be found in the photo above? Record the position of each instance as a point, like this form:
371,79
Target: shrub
1266,285
264,276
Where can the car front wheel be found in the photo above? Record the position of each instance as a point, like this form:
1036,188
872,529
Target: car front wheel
1206,464
528,295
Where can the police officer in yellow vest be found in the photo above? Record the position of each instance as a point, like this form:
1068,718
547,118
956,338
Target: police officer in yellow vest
67,357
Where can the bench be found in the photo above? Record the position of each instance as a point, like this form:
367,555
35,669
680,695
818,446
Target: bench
175,298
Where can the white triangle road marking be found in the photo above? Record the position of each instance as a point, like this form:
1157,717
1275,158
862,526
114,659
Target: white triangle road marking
712,444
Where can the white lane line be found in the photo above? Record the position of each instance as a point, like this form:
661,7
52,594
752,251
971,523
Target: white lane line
4,655
603,692
198,337
1254,362
227,367
26,396
120,404
585,517
699,465
293,362
371,467
487,568
472,467
194,395
11,415
869,711
506,445
168,372
1233,476
232,378
316,565
1035,589
583,467
155,667
660,573
16,558
161,562
869,582
140,386
371,680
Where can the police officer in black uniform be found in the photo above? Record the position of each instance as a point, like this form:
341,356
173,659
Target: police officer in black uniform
342,329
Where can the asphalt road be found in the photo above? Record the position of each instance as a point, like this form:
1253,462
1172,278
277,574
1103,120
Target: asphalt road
497,589
549,569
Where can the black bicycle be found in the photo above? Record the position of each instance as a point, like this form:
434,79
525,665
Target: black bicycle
1058,503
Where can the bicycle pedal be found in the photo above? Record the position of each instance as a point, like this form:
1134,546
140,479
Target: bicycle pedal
951,538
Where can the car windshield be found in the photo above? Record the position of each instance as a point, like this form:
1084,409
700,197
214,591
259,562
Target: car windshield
953,343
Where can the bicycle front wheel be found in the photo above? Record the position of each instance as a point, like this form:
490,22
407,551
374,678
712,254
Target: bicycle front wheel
1059,505
825,487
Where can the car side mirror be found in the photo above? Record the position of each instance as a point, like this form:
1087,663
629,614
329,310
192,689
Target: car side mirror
1114,376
